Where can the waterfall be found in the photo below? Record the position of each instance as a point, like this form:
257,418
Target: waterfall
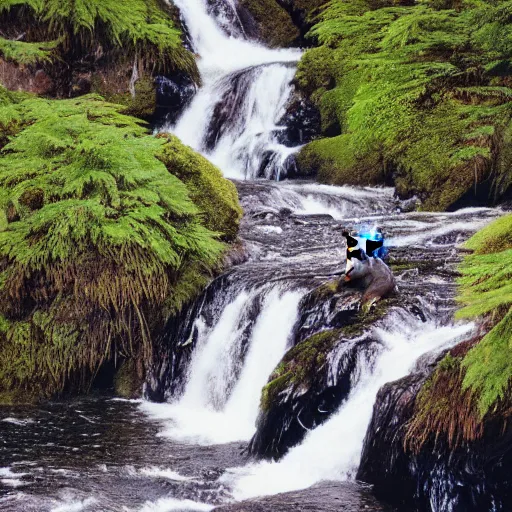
332,450
221,397
234,118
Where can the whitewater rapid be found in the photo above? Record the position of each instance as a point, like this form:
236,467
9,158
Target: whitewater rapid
332,451
221,398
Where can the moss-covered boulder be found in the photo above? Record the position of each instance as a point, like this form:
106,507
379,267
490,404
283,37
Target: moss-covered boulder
216,197
128,379
311,381
274,25
65,49
413,94
99,240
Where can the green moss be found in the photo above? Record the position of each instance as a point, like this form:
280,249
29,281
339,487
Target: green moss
128,380
274,23
140,28
24,53
98,241
338,161
494,238
215,196
404,93
142,105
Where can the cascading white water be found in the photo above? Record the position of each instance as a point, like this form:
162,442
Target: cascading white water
244,78
332,451
220,402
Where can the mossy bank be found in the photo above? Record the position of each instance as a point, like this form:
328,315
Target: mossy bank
66,49
105,232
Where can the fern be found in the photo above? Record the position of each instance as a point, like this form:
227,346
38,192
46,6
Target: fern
486,290
140,28
99,240
409,90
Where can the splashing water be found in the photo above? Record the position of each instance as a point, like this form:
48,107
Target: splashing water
332,450
233,119
211,409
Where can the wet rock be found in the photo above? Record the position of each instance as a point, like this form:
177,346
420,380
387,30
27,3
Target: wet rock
316,377
471,477
325,497
317,374
269,22
173,95
301,122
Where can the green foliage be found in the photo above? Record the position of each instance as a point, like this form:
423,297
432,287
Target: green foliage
274,23
216,197
413,92
26,53
99,240
142,28
486,290
494,238
489,365
299,365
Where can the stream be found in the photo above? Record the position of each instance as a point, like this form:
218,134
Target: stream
187,451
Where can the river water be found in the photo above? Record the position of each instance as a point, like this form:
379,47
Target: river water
187,453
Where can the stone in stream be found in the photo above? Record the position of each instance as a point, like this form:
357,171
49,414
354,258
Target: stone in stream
331,341
434,473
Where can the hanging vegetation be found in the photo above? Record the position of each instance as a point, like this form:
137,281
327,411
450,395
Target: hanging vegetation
474,383
99,240
418,95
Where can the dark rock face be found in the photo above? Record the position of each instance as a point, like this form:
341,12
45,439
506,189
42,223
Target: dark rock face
173,94
474,477
301,122
17,78
300,12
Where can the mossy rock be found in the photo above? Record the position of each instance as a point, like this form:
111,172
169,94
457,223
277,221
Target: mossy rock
216,197
99,240
299,366
399,105
113,86
19,397
337,162
305,361
275,26
128,380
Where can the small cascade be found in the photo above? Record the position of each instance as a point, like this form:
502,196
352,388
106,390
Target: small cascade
332,451
233,356
234,119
